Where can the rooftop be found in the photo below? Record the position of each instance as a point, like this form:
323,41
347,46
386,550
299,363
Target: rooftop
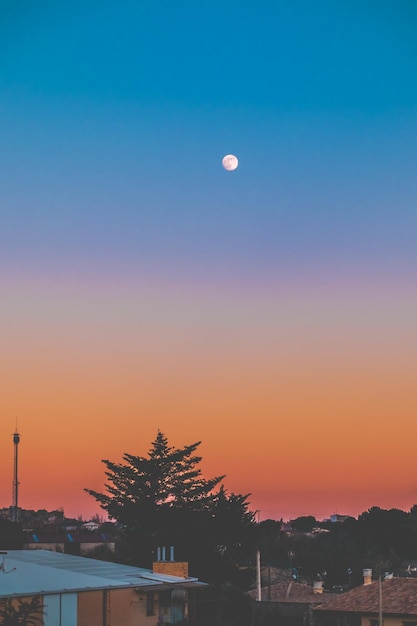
31,572
399,596
290,592
82,536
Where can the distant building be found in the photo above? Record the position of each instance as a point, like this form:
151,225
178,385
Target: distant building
90,526
338,518
76,542
77,591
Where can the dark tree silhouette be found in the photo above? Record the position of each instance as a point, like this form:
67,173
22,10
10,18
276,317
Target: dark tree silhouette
305,523
20,612
11,535
163,499
382,530
167,478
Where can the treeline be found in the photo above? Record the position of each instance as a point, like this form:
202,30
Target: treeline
384,540
162,499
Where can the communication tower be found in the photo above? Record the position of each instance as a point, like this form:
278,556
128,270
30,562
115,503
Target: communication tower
15,505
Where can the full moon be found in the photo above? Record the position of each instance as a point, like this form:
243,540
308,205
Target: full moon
230,162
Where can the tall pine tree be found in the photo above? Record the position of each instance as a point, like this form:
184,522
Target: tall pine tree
163,499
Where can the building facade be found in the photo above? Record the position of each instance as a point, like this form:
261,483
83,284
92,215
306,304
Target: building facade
77,591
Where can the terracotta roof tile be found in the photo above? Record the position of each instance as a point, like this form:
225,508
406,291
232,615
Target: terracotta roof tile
289,592
399,596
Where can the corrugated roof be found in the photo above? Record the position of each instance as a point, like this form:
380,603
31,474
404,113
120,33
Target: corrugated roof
399,596
28,572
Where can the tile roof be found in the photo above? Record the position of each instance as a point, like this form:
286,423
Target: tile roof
399,596
289,592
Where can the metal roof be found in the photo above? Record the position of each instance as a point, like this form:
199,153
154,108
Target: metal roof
31,572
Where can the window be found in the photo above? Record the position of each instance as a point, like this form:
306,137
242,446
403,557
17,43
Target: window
165,598
150,603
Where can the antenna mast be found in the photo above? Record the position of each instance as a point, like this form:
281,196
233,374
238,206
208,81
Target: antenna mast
15,506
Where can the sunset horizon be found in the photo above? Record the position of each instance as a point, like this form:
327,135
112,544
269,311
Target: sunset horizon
267,310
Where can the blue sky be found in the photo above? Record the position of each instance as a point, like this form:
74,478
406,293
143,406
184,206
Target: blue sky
114,207
115,118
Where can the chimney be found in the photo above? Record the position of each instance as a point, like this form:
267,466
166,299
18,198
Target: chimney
318,586
367,576
171,567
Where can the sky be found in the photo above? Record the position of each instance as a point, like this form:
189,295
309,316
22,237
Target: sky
269,312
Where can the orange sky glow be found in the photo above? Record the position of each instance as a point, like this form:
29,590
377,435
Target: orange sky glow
293,399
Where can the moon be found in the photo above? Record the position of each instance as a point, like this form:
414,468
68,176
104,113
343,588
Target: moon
230,162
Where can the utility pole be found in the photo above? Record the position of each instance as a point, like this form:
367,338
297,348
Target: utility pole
380,616
258,576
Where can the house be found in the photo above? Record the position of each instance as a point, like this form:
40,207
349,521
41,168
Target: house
396,598
77,542
287,603
338,518
77,591
91,525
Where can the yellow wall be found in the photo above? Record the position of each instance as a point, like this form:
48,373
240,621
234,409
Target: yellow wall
124,607
53,546
85,547
90,608
15,601
388,621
